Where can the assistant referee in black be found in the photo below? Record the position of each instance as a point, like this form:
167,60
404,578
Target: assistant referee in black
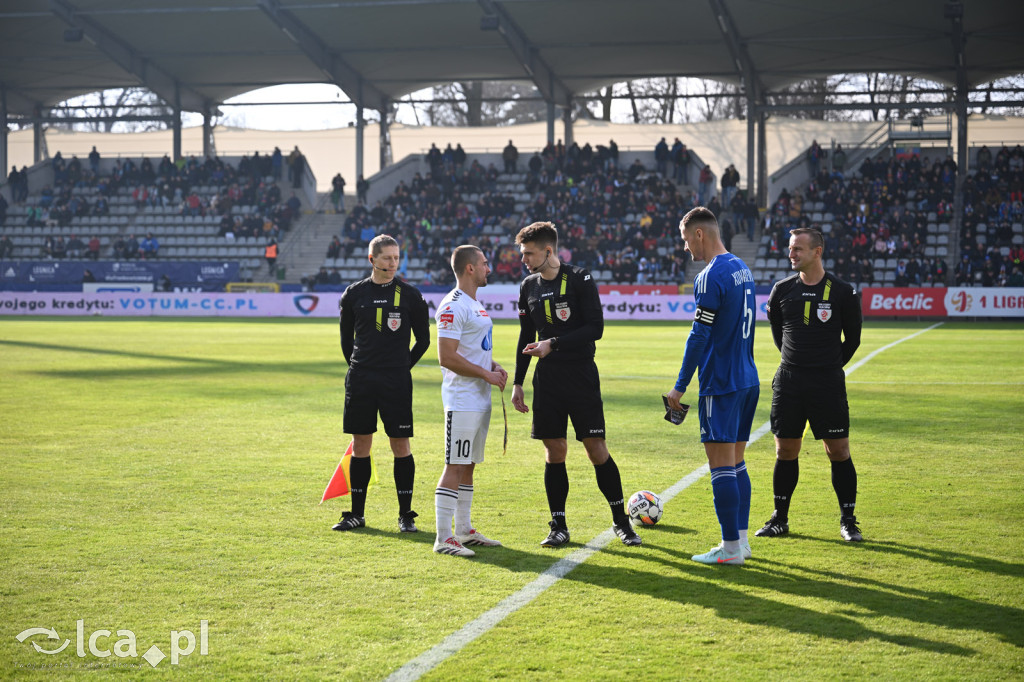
816,323
560,303
378,314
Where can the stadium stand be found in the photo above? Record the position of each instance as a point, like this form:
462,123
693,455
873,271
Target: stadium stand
217,209
621,223
888,224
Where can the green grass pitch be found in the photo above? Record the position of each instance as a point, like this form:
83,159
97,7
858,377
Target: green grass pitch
157,473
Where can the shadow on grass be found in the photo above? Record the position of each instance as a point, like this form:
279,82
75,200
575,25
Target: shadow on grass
728,591
186,365
508,558
952,559
729,597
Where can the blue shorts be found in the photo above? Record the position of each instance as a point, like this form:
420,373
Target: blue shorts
727,418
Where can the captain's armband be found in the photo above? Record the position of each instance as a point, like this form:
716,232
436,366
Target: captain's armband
704,316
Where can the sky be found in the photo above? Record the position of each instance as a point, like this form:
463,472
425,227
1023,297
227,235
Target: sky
286,116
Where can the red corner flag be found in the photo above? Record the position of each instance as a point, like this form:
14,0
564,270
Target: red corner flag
338,485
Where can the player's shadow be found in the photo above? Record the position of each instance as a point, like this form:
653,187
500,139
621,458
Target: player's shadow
938,608
957,560
506,557
665,529
422,537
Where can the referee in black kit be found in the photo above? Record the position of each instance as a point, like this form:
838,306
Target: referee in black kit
560,302
377,316
816,322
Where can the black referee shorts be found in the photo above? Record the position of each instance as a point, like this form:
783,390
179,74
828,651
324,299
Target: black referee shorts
817,396
387,391
564,391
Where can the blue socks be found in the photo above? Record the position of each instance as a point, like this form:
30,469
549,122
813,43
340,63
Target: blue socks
743,482
727,500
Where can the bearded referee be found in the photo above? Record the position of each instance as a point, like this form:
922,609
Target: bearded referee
378,315
816,323
560,304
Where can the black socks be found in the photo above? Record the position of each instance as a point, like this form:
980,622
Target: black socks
784,478
610,483
359,472
405,474
556,484
844,480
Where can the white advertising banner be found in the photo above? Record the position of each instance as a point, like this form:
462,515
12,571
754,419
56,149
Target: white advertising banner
203,304
984,302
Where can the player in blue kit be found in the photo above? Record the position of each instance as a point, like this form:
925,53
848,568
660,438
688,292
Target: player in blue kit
721,345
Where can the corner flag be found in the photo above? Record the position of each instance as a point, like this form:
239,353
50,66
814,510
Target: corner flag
338,485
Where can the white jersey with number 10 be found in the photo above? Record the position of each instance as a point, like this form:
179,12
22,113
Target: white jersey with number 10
461,317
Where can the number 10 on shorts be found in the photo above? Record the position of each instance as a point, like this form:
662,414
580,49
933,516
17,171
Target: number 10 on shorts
465,437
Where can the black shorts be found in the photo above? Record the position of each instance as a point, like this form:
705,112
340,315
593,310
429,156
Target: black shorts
563,391
816,396
387,391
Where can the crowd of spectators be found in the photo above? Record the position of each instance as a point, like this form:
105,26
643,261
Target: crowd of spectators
188,187
622,220
884,209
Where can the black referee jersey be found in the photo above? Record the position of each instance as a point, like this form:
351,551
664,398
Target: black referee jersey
815,327
567,307
376,320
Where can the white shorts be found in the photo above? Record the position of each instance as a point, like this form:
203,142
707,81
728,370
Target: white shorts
465,436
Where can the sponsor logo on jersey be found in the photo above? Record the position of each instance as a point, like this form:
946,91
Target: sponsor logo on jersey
445,320
824,312
394,321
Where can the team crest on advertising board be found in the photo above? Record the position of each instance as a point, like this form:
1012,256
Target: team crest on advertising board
562,311
824,312
394,321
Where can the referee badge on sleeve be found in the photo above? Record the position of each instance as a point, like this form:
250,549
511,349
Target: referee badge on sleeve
394,321
824,312
562,311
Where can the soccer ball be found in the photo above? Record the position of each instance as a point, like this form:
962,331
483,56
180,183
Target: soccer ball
644,508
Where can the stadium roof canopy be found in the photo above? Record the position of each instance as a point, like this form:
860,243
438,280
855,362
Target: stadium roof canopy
206,51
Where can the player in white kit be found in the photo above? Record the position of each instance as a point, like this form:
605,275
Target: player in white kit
464,353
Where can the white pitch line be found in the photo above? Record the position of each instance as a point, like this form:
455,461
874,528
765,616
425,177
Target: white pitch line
873,353
938,383
461,638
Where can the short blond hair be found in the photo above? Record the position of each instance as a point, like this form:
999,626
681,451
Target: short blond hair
378,243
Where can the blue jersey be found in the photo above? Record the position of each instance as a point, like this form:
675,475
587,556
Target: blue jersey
721,343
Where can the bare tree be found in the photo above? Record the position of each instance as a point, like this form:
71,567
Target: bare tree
606,102
111,104
480,103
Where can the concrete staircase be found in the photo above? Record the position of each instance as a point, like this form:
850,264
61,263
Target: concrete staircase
304,248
